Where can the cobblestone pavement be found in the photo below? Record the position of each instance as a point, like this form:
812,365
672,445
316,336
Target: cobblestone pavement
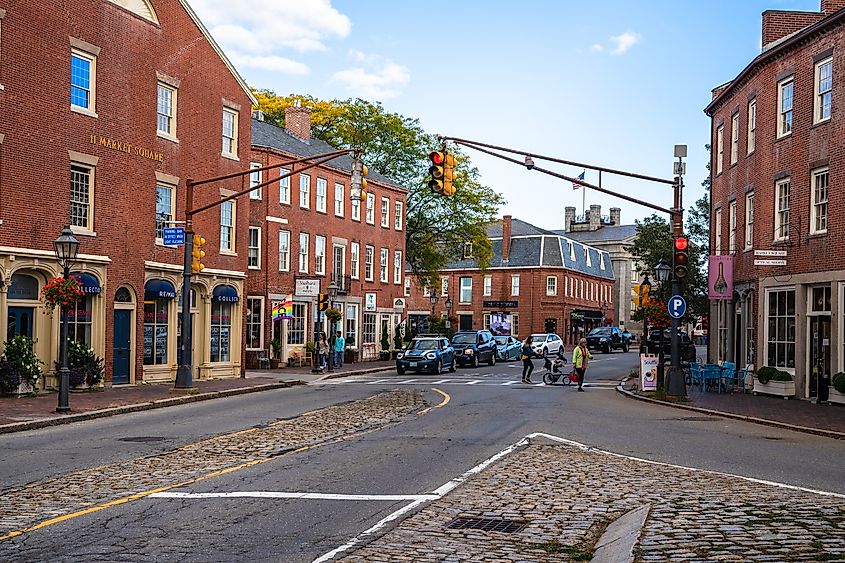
25,507
568,496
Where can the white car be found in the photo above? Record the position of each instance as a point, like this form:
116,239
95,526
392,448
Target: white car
546,344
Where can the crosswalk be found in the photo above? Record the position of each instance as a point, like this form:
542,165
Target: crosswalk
467,380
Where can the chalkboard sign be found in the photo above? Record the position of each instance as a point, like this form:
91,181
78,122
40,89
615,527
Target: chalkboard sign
148,344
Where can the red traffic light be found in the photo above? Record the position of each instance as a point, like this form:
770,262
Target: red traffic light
681,243
436,157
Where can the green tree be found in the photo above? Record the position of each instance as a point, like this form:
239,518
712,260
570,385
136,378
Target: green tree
436,227
698,220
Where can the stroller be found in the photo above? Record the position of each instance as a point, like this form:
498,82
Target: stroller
554,370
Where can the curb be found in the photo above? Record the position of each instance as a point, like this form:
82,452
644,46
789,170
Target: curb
762,421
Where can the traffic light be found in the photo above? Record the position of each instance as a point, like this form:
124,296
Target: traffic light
323,302
681,259
448,173
438,159
359,180
197,254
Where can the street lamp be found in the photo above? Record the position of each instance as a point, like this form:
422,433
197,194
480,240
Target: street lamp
333,289
645,289
604,307
662,270
66,247
448,316
434,297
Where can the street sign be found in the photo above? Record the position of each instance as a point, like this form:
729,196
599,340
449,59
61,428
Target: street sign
677,306
770,253
679,168
770,262
173,236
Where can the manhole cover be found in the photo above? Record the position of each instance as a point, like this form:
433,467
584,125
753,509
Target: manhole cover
487,524
142,439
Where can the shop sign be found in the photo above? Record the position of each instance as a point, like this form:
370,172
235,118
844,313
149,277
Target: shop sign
500,304
307,287
720,278
370,302
128,148
648,372
399,303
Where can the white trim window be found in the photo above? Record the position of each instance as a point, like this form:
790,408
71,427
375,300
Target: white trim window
720,148
320,255
305,191
465,294
253,249
254,180
734,138
397,267
303,252
384,256
488,286
338,263
82,197
749,220
824,90
284,187
515,285
782,209
339,196
321,195
83,81
780,328
254,323
166,111
284,251
786,89
227,226
398,214
385,212
426,291
444,286
751,139
717,243
515,325
818,210
407,289
354,260
230,133
551,285
371,211
165,205
732,227
355,208
369,256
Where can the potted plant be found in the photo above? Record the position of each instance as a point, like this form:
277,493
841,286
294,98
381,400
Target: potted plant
772,381
836,390
397,342
86,368
294,358
276,345
385,346
20,368
334,315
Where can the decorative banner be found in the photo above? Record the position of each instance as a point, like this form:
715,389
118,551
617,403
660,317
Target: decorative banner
720,278
648,372
500,324
283,310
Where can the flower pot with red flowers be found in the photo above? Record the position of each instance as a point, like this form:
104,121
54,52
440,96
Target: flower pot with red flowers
61,292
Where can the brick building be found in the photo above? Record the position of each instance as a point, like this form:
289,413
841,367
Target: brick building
308,227
537,281
777,138
106,108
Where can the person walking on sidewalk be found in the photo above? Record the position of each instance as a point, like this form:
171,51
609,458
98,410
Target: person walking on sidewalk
322,350
527,365
580,355
339,347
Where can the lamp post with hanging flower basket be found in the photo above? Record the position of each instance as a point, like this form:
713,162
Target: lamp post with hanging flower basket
63,292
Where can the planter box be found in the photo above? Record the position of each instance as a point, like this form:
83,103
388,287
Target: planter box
834,396
785,389
24,389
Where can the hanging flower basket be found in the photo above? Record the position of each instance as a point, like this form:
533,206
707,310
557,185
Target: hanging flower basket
334,315
62,292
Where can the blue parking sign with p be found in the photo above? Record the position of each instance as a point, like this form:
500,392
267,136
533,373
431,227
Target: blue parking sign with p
677,306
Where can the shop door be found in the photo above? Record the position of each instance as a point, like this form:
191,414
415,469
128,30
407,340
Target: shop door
819,357
551,326
465,322
21,321
122,346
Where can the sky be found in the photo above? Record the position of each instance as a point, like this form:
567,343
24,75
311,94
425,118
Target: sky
615,84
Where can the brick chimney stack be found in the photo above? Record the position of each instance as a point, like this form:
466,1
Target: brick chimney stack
298,121
830,6
777,24
506,237
568,218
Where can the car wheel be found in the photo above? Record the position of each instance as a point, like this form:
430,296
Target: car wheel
400,371
607,349
625,347
438,368
452,367
474,362
492,361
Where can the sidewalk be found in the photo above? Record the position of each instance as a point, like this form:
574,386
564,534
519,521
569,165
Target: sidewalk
29,412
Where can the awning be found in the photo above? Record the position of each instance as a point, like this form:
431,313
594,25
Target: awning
88,283
225,293
159,289
586,315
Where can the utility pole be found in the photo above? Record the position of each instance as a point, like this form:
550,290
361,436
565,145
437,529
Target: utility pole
675,383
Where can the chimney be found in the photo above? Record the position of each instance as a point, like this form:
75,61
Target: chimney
568,218
595,217
298,121
506,237
615,216
777,24
830,6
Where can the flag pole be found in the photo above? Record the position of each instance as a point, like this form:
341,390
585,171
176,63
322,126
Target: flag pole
584,202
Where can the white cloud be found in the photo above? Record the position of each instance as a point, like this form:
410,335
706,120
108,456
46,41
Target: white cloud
271,63
376,78
597,48
625,41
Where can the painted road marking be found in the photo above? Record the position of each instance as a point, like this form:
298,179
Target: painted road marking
440,382
474,382
377,381
284,495
508,383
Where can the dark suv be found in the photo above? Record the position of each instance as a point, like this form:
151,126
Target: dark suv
607,338
474,346
688,351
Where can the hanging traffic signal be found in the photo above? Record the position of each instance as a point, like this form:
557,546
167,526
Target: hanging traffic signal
681,257
197,254
359,181
449,163
437,171
323,302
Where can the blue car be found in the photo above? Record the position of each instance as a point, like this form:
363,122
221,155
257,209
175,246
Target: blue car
507,348
426,353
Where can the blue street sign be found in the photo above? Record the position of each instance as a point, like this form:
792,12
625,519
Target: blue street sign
174,235
677,306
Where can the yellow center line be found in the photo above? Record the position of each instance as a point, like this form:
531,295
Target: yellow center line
446,399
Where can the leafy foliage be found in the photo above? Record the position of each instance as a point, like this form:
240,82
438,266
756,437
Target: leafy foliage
84,365
19,364
838,382
768,373
436,227
657,315
61,291
334,315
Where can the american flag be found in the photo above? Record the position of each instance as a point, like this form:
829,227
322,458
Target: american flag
580,177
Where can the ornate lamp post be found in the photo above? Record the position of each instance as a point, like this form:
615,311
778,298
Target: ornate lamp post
66,247
434,298
333,289
662,271
448,316
604,307
645,289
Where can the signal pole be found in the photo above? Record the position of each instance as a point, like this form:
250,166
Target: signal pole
675,382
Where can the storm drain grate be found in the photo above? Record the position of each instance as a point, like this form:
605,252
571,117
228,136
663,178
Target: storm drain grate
487,524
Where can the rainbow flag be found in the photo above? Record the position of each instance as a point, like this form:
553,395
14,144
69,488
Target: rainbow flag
283,310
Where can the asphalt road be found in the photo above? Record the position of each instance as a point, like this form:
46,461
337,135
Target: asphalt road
487,411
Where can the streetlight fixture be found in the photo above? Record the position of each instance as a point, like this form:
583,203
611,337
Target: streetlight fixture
66,247
333,289
448,316
645,289
604,307
662,271
434,298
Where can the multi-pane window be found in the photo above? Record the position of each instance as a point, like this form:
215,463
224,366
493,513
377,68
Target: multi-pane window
782,210
465,295
80,321
82,80
284,251
164,208
818,219
444,286
487,289
384,255
720,148
338,263
515,325
155,331
338,199
254,180
407,288
253,252
230,132
81,196
284,187
227,226
354,260
254,324
514,285
749,220
296,325
385,212
734,138
780,336
397,215
321,195
355,208
303,252
371,203
785,92
824,90
304,191
717,243
551,285
752,126
369,255
732,227
368,334
319,254
166,110
397,266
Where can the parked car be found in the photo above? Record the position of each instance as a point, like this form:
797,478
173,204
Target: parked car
631,338
688,352
427,353
507,348
474,346
607,339
545,344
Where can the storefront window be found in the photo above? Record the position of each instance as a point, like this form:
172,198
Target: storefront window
155,331
296,326
221,330
351,324
369,335
781,328
254,322
79,320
